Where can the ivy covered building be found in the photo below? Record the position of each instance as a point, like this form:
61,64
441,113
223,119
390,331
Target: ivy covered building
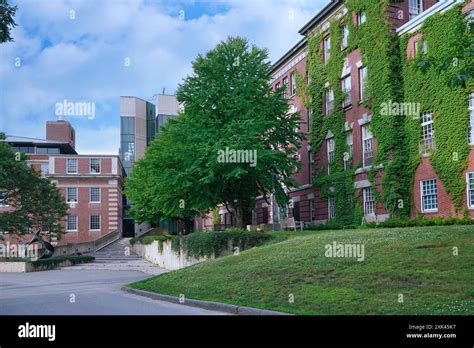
385,92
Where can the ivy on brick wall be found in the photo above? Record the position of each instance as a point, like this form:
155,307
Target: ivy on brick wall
390,77
432,79
338,184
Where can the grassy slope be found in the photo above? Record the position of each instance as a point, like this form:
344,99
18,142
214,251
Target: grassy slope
416,262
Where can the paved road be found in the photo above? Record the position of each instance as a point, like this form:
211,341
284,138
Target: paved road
95,292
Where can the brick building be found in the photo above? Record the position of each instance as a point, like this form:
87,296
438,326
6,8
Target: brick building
430,197
91,184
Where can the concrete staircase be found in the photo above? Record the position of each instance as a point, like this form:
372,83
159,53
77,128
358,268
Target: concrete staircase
118,256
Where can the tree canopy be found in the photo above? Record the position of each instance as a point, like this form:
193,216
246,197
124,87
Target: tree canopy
233,133
7,22
32,199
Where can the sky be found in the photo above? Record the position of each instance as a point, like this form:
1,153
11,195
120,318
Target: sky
95,51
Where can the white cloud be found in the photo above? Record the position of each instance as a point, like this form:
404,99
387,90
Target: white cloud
83,59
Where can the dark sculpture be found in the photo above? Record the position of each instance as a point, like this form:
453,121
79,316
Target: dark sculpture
48,249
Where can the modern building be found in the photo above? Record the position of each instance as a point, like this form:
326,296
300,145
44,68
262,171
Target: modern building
140,121
90,184
308,203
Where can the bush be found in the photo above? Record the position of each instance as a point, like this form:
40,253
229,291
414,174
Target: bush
419,221
200,244
75,259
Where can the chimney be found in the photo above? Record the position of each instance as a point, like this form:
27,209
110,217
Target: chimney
61,131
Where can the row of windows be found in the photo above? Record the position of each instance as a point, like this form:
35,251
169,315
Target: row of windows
286,85
37,150
94,166
346,87
72,225
367,149
72,197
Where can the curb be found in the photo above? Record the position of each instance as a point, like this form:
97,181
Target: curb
212,306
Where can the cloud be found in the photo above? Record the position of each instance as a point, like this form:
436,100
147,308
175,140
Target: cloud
82,59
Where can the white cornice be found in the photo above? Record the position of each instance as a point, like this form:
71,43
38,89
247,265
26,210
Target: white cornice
416,23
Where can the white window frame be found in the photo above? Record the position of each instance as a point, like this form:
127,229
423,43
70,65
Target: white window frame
471,118
76,194
422,196
90,165
90,223
331,208
75,223
367,145
345,37
427,135
293,83
68,167
361,18
326,48
331,152
4,201
329,98
369,201
346,86
415,7
470,190
285,87
90,195
350,145
363,73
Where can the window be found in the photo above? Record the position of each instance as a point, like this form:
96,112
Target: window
277,86
362,83
293,84
331,145
428,133
71,195
348,154
415,7
94,166
429,195
284,212
94,223
71,223
331,208
44,226
326,48
72,166
329,101
296,211
471,118
44,169
470,190
345,36
310,166
361,18
265,215
346,89
94,195
369,201
367,146
285,87
3,199
312,210
43,150
424,47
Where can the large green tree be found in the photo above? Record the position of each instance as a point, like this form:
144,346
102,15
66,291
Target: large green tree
228,106
7,22
32,199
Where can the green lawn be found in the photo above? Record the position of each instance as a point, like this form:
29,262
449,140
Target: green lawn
417,262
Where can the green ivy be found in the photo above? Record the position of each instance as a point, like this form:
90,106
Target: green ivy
429,79
390,77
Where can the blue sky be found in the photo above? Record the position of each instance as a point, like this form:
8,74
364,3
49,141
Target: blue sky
76,50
